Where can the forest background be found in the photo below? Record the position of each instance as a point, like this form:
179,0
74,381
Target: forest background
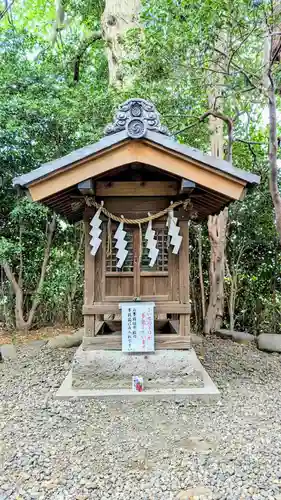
211,67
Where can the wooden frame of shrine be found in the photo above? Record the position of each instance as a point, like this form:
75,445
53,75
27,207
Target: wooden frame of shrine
136,190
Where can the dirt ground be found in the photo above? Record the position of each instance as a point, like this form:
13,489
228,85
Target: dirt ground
22,337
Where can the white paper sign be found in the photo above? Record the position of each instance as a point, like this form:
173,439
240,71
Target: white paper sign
137,326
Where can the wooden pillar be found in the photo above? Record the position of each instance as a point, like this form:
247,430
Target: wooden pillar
184,277
89,282
137,262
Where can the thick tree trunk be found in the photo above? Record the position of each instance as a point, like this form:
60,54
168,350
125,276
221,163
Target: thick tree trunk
217,235
119,16
216,224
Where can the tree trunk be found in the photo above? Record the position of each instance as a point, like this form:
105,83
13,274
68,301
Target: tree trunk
21,323
217,235
272,46
216,127
272,156
36,295
19,316
216,224
215,102
233,277
73,286
118,17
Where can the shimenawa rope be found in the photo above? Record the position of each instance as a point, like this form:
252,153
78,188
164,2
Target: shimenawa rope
116,218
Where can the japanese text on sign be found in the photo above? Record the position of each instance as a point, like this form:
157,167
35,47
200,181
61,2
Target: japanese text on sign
137,326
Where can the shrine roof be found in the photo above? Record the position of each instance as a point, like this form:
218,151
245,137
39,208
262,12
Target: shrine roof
136,126
122,130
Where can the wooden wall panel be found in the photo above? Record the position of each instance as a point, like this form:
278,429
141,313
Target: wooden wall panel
154,285
119,286
126,206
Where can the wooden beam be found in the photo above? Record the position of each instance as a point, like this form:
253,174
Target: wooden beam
174,324
99,327
114,342
184,263
86,187
101,266
89,283
184,277
136,188
160,326
185,325
129,298
136,263
187,186
113,308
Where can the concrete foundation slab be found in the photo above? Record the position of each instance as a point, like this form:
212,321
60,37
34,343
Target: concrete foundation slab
169,377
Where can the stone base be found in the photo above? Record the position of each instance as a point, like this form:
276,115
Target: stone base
114,369
176,374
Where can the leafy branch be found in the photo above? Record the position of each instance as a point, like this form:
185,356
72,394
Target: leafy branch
216,114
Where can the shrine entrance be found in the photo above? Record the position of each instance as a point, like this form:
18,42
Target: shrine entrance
137,280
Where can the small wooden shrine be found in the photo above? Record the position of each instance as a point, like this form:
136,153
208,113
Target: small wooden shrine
136,190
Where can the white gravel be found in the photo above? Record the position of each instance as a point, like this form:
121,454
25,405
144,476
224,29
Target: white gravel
155,451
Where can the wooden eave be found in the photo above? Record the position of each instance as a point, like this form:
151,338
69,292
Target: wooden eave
217,182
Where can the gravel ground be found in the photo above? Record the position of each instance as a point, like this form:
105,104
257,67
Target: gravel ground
59,450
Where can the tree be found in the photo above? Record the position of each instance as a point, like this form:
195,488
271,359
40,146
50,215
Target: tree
240,66
217,234
24,321
272,50
36,102
37,123
118,18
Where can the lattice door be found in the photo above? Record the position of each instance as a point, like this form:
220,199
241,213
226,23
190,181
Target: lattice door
137,278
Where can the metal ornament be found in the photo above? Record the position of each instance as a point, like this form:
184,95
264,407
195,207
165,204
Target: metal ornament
95,232
173,232
151,244
121,244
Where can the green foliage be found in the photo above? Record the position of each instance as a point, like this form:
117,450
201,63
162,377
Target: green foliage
46,114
